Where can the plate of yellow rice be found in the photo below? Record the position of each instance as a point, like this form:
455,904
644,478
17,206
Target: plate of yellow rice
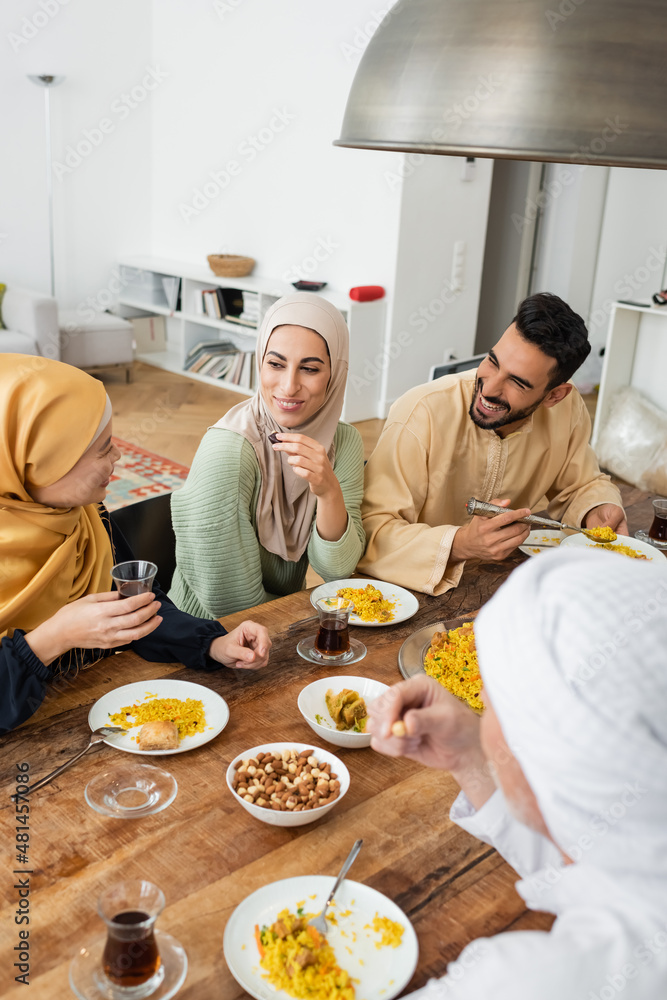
624,545
446,651
199,713
370,951
376,602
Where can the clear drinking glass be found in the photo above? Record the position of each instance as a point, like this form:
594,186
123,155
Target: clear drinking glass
133,577
658,530
131,960
333,637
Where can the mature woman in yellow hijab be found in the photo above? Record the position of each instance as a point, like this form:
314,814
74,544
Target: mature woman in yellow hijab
57,547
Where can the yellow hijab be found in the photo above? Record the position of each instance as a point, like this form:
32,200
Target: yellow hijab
49,415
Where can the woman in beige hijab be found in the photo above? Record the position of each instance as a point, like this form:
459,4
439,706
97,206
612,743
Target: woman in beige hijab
277,483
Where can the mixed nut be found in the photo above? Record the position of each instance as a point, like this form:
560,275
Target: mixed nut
293,780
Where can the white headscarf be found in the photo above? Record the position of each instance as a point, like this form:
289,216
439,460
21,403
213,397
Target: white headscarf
573,653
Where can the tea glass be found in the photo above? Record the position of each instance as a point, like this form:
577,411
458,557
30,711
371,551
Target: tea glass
333,636
333,643
131,961
133,577
658,530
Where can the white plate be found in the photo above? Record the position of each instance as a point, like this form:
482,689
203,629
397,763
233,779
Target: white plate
406,603
633,543
385,971
548,538
215,710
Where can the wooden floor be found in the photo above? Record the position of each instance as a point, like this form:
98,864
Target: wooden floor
168,414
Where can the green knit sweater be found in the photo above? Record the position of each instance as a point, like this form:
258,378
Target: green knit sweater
220,565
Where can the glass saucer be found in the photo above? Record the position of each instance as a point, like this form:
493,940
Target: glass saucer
129,791
306,649
644,536
88,981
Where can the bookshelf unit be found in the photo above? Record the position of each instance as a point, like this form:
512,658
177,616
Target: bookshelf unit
142,293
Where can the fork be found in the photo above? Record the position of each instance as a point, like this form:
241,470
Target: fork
96,737
319,922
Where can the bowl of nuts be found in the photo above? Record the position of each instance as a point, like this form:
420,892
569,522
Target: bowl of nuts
287,784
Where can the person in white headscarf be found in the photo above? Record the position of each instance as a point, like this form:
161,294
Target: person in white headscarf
573,655
277,483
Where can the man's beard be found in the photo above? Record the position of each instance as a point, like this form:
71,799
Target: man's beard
509,416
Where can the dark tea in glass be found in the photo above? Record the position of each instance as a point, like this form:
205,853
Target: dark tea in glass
130,955
131,959
333,637
658,530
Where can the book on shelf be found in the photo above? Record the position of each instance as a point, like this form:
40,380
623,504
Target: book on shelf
172,291
211,304
240,321
221,302
205,350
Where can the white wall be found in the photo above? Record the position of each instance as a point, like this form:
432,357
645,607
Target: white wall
431,316
281,73
633,243
101,202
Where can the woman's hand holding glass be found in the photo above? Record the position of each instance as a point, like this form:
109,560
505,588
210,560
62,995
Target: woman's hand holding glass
97,621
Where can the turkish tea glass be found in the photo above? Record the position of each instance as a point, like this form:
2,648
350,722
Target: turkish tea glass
658,530
131,960
133,577
333,637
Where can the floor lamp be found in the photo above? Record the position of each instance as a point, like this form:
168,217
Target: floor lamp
47,80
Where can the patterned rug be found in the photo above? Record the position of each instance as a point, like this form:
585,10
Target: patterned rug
140,474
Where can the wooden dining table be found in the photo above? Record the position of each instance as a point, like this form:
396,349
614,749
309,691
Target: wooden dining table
206,852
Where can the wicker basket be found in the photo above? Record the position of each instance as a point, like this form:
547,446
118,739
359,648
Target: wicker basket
228,265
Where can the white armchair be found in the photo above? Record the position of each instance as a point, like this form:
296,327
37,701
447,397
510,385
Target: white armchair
32,324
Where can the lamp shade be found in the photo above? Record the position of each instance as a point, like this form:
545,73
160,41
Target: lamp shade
553,80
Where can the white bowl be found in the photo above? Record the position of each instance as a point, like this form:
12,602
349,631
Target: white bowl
312,703
272,816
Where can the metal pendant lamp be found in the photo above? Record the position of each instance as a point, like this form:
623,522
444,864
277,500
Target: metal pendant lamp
554,80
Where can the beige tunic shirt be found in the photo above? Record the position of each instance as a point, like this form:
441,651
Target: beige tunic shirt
431,458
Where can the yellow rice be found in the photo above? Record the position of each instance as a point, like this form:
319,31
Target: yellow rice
603,533
324,980
391,932
188,715
452,660
625,550
369,604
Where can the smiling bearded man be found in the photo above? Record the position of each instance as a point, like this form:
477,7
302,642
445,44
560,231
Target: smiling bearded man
513,432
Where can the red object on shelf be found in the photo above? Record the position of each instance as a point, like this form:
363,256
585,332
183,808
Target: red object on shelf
367,293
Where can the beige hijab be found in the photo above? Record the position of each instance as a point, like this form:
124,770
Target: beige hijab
286,507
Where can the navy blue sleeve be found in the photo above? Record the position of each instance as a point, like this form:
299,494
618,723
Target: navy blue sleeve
23,681
180,638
